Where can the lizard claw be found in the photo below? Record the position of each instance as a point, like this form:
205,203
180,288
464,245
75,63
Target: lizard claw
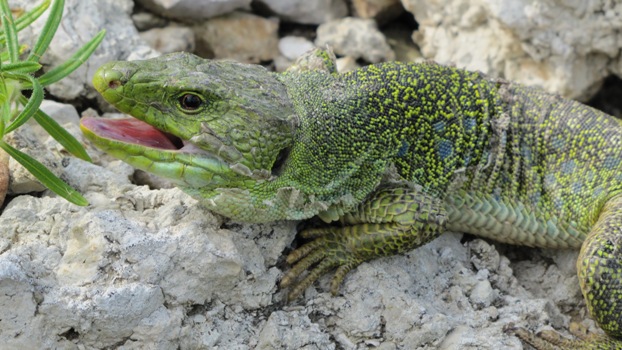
328,250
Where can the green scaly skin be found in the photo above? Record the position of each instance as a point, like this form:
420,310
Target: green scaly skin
399,153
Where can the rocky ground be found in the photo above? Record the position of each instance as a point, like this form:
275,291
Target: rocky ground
145,266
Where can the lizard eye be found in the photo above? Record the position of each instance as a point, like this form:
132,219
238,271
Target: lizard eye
190,102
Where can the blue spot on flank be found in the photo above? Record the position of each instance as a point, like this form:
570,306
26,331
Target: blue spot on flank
611,162
558,142
558,203
526,153
568,167
445,149
576,187
403,149
468,124
534,198
496,194
549,180
439,126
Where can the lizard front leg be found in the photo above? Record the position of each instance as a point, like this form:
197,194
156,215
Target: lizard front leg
391,221
599,269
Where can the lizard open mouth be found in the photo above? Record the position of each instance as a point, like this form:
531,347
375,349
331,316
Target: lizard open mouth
134,131
147,148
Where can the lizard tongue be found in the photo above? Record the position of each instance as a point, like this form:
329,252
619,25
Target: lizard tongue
129,130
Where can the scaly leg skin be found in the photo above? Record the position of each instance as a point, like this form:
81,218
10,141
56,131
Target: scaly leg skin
551,340
600,273
392,221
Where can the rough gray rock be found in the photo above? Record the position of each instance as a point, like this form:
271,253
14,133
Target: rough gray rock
306,11
193,9
241,36
565,47
144,20
381,10
114,272
356,37
347,63
170,39
293,47
81,21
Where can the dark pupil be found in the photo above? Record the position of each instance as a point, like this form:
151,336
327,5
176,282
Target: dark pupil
189,101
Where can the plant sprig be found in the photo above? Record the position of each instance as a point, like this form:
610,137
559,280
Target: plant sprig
17,76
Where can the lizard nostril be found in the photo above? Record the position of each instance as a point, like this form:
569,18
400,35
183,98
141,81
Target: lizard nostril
113,84
109,77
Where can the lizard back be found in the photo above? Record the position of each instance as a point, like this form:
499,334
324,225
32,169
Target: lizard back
513,163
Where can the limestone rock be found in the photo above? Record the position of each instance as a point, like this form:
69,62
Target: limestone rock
381,10
293,47
565,47
193,9
306,11
241,36
81,21
144,20
170,39
356,37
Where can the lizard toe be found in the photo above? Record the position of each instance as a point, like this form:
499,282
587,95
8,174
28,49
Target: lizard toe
330,250
302,264
315,273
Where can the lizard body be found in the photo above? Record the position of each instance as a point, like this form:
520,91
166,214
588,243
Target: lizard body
398,152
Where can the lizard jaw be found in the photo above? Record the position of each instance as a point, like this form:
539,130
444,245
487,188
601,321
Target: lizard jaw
147,148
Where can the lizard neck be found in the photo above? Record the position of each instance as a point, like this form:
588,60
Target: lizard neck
422,121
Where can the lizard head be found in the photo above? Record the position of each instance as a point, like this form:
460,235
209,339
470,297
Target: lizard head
201,123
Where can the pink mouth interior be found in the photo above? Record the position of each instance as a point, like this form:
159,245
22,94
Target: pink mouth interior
131,130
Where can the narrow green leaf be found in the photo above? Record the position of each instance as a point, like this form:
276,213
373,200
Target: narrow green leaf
5,103
26,19
5,106
59,134
78,58
4,55
4,92
23,67
47,178
48,31
9,30
31,106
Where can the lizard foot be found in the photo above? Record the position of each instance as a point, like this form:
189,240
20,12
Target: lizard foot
331,248
552,340
392,221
